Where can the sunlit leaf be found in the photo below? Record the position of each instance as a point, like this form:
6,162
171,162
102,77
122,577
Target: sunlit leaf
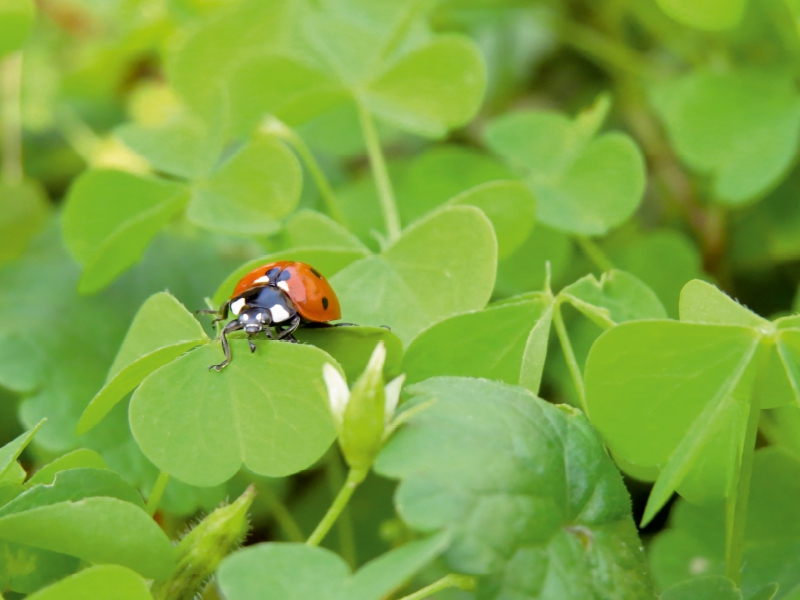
278,571
16,20
442,265
107,582
268,410
705,14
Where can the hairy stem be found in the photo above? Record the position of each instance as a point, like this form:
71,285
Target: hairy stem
463,582
378,164
157,493
569,354
11,118
354,479
594,253
280,130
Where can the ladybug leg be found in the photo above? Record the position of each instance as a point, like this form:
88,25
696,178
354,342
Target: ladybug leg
252,344
286,334
229,328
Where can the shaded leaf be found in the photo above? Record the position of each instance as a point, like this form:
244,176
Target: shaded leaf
583,183
161,331
534,504
741,128
108,237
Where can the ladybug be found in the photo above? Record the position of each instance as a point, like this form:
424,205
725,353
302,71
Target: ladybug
278,296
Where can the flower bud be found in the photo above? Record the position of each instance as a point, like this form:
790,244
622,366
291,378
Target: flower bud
200,552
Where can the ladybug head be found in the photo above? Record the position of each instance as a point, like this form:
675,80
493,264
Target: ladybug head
255,320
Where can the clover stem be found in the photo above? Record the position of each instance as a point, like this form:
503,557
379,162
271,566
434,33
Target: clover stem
736,506
344,525
354,479
378,164
11,118
280,130
156,493
463,582
594,253
569,354
605,51
281,514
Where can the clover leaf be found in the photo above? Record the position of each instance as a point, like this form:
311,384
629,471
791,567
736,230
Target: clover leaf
442,265
533,503
740,128
381,57
693,545
162,330
106,582
276,571
584,183
108,237
267,409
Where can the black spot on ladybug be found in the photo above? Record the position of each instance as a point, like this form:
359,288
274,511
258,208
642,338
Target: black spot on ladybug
315,272
272,273
324,303
285,275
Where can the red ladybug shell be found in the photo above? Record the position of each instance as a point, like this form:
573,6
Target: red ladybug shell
310,292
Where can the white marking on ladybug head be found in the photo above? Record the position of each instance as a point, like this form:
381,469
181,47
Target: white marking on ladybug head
237,306
283,285
262,279
279,314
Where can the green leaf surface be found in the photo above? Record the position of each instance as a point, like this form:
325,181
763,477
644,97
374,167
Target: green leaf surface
713,587
525,269
11,451
25,569
693,544
161,331
106,582
741,127
702,302
327,260
510,207
441,173
584,183
108,237
310,229
268,410
249,194
432,89
278,571
677,259
184,145
16,21
23,211
74,485
487,343
711,15
82,458
98,530
533,503
353,346
615,298
442,265
675,396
